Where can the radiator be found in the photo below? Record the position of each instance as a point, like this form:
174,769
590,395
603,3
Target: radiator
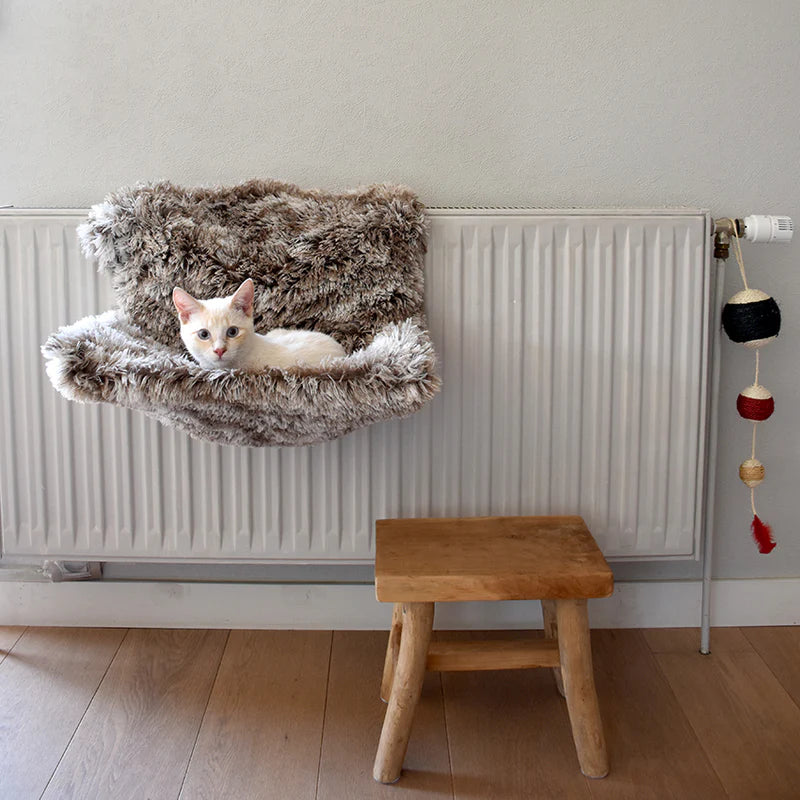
574,350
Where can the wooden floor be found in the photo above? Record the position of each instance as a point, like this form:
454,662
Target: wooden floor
87,713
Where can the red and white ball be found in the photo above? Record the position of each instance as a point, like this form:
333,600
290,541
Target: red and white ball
755,403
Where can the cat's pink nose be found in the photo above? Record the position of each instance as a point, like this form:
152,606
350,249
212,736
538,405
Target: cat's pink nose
220,351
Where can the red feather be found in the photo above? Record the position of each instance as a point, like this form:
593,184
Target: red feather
762,533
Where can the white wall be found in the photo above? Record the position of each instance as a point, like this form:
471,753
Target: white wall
564,103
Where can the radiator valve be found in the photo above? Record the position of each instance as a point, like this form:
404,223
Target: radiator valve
763,228
753,228
58,571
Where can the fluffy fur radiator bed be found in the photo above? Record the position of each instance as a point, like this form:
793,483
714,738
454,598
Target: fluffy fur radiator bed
349,265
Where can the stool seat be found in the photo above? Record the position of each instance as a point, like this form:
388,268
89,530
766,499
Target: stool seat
488,558
421,562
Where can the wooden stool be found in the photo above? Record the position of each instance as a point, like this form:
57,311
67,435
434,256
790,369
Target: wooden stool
420,562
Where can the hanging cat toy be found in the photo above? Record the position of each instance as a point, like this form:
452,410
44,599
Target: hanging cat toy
752,318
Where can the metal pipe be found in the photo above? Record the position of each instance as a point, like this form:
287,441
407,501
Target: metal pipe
713,425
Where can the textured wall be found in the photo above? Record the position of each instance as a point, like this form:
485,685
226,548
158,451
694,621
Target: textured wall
487,103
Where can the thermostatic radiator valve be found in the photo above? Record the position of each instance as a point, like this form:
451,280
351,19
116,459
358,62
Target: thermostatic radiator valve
753,228
763,228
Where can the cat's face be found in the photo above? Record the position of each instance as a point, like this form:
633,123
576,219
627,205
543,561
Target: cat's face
216,330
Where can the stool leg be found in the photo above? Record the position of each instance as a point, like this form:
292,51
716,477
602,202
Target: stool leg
392,651
551,632
576,668
406,688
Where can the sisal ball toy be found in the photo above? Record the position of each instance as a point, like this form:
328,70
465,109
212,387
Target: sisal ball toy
751,472
755,403
752,318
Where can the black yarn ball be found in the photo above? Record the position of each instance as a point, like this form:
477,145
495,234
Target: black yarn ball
751,317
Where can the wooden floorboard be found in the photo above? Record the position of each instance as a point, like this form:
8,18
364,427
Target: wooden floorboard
745,720
88,713
46,684
353,720
9,635
137,735
780,650
687,640
262,731
509,734
653,750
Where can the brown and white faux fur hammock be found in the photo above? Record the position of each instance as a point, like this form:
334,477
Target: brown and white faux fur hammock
349,265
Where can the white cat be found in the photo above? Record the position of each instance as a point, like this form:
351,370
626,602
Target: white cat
219,333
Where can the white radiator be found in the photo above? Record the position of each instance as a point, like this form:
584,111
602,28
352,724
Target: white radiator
574,349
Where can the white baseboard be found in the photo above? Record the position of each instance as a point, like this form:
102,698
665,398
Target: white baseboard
651,604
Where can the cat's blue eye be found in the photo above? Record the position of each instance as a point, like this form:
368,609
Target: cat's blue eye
203,334
233,331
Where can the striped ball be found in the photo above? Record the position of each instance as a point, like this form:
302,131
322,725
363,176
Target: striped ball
751,318
755,403
751,472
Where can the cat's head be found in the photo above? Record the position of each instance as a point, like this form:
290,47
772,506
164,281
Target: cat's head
215,330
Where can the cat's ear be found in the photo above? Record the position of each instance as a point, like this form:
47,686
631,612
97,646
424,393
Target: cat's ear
185,303
242,299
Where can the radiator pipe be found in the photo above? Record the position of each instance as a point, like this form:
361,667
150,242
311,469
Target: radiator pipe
713,426
723,230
